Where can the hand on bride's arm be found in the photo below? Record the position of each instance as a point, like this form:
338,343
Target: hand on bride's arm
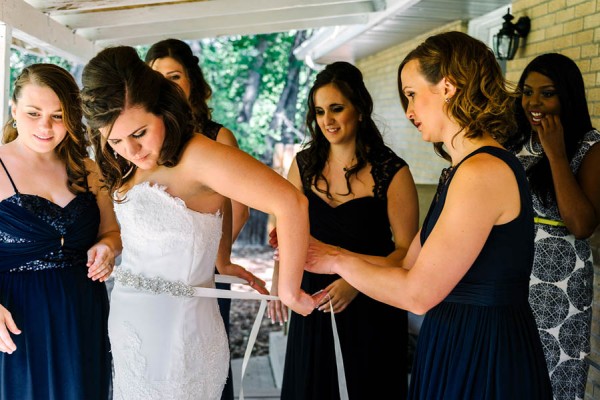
321,257
7,324
237,270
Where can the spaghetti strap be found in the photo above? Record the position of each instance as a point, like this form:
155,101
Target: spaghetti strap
9,177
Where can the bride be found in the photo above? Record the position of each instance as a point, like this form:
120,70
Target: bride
170,187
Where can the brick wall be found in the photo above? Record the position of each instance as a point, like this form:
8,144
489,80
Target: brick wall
570,27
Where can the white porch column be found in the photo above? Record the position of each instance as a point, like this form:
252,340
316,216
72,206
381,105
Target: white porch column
5,41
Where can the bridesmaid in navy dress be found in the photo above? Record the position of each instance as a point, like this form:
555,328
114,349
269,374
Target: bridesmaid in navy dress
468,270
58,241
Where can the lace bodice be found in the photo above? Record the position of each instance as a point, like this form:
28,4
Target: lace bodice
157,228
166,346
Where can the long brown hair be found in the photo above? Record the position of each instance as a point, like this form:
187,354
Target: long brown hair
482,102
115,79
73,148
200,90
349,81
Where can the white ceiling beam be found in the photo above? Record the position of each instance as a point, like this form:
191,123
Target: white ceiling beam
34,27
52,6
208,10
340,37
152,36
224,24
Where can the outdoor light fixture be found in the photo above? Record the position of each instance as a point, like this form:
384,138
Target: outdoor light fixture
506,42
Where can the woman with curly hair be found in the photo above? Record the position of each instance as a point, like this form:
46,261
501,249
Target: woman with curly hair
469,267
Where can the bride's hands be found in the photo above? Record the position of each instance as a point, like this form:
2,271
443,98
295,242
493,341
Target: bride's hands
7,324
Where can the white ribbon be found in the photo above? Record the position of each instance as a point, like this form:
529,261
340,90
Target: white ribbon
339,361
231,294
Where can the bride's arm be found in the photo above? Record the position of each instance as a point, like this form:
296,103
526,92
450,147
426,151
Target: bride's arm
238,176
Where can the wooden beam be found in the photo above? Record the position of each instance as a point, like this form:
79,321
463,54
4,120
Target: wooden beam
208,10
282,18
32,26
227,31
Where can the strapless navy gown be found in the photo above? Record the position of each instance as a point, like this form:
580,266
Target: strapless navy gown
63,352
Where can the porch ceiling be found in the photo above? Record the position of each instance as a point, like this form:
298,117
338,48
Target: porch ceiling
77,29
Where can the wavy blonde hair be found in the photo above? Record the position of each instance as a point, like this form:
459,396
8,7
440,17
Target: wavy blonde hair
483,101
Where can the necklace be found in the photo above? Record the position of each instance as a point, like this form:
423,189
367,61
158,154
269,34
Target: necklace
531,149
352,162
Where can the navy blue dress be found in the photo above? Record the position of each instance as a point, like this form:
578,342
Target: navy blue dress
63,352
373,335
481,341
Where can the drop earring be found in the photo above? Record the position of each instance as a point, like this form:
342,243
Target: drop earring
14,124
115,153
447,100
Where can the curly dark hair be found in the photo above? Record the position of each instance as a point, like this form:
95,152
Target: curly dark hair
574,115
200,90
482,102
116,79
349,81
73,149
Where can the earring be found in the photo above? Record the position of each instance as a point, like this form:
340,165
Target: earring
115,153
14,125
447,100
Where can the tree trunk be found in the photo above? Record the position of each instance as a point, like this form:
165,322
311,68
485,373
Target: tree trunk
254,231
253,82
285,113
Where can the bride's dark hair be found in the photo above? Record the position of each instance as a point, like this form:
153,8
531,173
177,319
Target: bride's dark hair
116,79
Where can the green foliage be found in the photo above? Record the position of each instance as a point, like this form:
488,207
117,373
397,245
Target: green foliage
227,63
20,59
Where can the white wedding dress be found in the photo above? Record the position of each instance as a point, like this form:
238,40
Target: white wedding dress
166,345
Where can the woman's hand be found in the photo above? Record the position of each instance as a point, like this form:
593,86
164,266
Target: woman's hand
277,312
551,135
321,257
341,293
7,324
101,261
253,281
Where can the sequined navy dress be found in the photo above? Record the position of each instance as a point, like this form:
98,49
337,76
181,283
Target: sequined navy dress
63,351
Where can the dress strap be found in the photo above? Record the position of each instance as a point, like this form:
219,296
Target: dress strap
9,177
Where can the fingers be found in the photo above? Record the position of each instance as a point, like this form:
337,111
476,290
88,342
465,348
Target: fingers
91,256
277,312
6,343
259,285
101,271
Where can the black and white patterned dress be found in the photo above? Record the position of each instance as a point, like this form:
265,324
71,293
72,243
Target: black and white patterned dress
561,287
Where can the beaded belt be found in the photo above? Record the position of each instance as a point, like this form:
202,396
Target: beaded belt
158,285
